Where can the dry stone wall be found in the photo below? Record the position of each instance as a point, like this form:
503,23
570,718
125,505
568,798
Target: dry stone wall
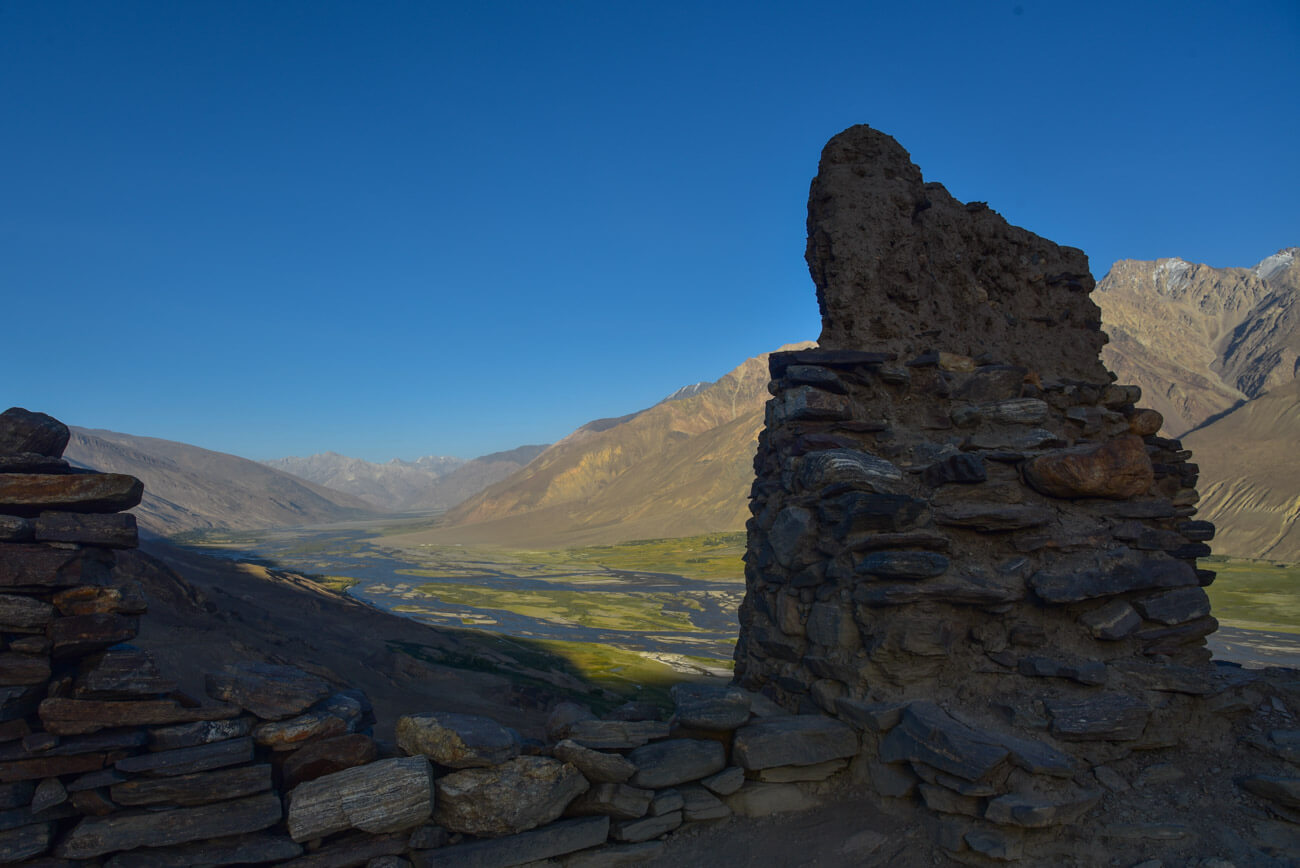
967,541
104,762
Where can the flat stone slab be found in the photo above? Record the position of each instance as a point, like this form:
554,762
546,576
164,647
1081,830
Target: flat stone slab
621,801
384,796
97,836
616,734
189,760
114,530
927,734
194,789
1086,579
1032,812
458,741
596,766
709,707
76,716
239,850
30,494
764,800
556,839
797,740
676,761
271,692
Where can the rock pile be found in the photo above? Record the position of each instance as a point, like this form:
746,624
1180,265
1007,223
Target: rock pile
104,762
966,540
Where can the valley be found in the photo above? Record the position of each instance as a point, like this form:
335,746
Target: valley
638,612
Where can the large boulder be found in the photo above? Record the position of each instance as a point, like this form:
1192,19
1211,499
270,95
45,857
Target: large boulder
516,796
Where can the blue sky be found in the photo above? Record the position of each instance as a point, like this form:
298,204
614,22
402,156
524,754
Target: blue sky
394,229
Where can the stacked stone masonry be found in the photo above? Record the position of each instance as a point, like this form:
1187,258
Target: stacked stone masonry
104,762
967,541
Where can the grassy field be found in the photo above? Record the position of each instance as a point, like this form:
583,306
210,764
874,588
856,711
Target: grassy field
1255,595
715,557
606,610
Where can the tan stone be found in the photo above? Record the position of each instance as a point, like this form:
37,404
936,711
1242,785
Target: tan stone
1117,469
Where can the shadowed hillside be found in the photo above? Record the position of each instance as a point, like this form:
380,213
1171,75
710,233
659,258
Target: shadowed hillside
188,488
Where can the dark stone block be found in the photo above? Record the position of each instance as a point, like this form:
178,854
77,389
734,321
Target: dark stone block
1106,717
271,692
966,468
1071,582
257,848
927,734
1175,607
902,565
777,363
187,760
863,512
1197,531
114,530
993,517
24,431
195,789
97,836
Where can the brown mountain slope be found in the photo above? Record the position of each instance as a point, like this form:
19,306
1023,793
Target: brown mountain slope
679,468
1201,340
1250,478
188,488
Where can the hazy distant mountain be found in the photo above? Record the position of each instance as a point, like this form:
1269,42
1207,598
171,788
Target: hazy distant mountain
681,467
188,488
1215,350
1201,340
428,483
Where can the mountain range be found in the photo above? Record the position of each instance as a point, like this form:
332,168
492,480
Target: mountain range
1215,351
189,488
426,484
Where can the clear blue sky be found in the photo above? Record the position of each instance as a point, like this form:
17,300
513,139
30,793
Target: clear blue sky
397,228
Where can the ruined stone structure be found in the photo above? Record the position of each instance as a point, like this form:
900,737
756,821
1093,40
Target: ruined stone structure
966,540
104,762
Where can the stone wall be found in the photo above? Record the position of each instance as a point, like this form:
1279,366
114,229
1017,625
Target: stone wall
104,762
966,540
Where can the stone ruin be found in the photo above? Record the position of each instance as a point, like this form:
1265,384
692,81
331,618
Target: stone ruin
103,762
967,541
972,607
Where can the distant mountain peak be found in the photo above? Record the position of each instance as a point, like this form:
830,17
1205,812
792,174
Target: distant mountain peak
1270,266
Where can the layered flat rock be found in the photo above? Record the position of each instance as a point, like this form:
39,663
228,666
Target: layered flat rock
557,839
1076,579
384,796
289,734
194,789
596,766
457,741
616,734
77,716
513,797
114,530
676,761
328,756
30,494
188,760
710,707
621,801
271,692
96,836
793,741
238,850
43,566
927,734
887,251
121,673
